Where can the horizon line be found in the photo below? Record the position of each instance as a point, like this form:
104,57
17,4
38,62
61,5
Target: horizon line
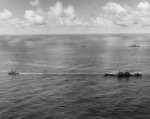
37,34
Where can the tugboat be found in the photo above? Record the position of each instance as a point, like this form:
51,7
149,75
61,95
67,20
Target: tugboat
125,74
13,73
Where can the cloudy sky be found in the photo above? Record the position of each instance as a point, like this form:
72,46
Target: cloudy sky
74,16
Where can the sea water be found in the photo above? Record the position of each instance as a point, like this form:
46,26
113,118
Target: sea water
61,77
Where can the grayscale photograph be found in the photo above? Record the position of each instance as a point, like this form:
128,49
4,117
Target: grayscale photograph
74,59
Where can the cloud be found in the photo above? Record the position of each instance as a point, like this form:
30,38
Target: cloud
143,6
116,15
33,18
5,15
65,16
143,13
56,15
62,15
16,22
124,16
69,12
59,11
35,3
111,15
101,21
8,19
114,8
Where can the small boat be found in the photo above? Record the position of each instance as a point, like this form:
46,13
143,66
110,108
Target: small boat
84,46
13,73
125,74
134,46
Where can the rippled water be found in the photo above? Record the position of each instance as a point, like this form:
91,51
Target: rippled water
61,79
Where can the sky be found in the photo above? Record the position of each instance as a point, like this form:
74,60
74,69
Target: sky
74,16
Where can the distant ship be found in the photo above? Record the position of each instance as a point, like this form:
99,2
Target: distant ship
134,46
13,73
84,46
125,74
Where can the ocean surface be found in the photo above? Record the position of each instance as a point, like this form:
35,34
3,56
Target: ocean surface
61,77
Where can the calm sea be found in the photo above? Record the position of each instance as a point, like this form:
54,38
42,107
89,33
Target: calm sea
61,77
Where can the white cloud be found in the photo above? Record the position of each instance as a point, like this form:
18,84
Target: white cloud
5,15
102,21
56,15
124,16
143,12
69,12
143,6
59,11
61,14
33,18
114,8
112,15
35,3
115,15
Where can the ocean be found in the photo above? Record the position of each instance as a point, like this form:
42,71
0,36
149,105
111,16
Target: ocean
61,77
